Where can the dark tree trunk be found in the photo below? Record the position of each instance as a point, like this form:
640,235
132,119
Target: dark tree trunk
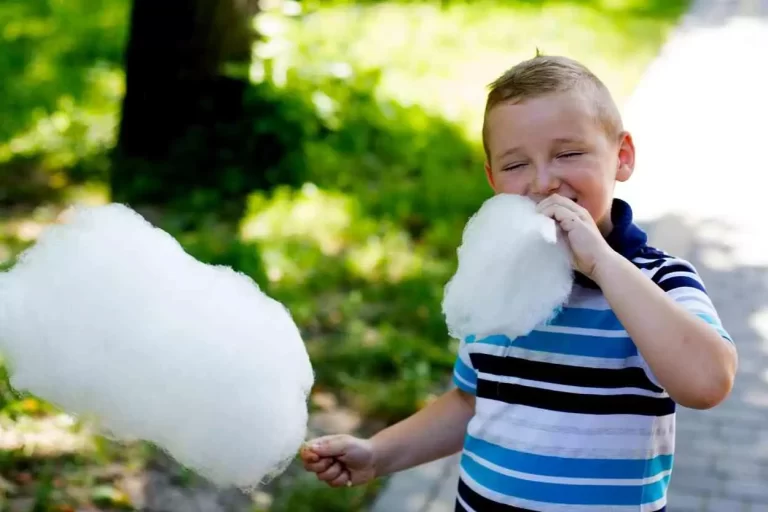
179,95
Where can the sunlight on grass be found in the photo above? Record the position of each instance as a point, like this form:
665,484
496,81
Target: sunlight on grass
443,57
49,48
47,436
297,230
76,129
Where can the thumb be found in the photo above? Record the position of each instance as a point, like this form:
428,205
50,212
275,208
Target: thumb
330,446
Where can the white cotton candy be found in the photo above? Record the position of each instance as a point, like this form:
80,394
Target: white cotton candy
107,317
514,271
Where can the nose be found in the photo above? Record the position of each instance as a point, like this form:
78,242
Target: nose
545,181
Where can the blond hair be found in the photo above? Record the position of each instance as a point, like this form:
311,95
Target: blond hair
543,75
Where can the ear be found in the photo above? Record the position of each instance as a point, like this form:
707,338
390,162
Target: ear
626,157
489,175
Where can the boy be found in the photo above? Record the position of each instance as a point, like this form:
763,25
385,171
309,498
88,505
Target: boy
580,414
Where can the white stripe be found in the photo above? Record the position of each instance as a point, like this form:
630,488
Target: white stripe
685,295
596,333
551,357
688,292
681,273
480,347
644,260
464,352
673,260
571,389
565,480
696,307
573,435
552,507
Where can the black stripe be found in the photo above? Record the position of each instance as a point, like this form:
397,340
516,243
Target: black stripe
574,402
481,503
648,265
563,374
674,283
673,267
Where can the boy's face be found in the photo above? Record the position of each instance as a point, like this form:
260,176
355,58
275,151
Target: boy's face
554,144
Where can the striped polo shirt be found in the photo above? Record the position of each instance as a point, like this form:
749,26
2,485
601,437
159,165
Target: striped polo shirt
570,417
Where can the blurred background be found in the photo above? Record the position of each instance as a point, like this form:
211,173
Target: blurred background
329,149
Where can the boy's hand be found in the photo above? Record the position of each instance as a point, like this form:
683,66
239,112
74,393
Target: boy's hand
340,460
588,247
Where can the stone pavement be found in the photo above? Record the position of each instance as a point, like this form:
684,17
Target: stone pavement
696,120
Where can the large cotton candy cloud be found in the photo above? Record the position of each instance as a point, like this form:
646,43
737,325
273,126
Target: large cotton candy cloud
514,271
107,317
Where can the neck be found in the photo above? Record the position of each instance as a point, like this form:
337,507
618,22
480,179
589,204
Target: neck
605,225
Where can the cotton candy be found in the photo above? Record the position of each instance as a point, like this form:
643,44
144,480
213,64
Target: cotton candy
107,317
514,271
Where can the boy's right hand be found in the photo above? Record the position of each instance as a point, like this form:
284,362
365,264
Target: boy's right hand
340,460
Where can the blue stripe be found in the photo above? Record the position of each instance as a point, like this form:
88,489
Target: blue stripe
465,372
717,325
709,319
498,340
463,385
566,467
570,494
588,319
570,344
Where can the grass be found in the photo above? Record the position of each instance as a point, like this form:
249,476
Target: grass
361,253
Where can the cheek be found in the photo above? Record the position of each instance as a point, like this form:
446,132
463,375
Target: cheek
510,182
583,177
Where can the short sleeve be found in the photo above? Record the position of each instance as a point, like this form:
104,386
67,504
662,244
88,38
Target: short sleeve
464,374
679,279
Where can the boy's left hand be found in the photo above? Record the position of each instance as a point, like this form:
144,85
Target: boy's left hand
588,247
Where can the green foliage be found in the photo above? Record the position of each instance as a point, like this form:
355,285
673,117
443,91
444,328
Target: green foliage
56,51
309,495
441,55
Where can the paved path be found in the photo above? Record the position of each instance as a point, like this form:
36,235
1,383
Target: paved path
697,119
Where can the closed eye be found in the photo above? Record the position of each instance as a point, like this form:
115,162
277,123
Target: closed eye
514,167
570,154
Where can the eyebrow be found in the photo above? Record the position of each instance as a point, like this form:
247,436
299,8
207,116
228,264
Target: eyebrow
507,152
566,140
559,140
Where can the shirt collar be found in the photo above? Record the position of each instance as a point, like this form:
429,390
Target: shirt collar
626,238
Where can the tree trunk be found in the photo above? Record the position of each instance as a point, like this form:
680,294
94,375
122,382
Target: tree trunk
179,95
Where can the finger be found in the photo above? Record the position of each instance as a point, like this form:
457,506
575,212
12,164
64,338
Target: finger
341,480
570,204
330,446
308,455
320,466
331,473
564,217
544,203
558,212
